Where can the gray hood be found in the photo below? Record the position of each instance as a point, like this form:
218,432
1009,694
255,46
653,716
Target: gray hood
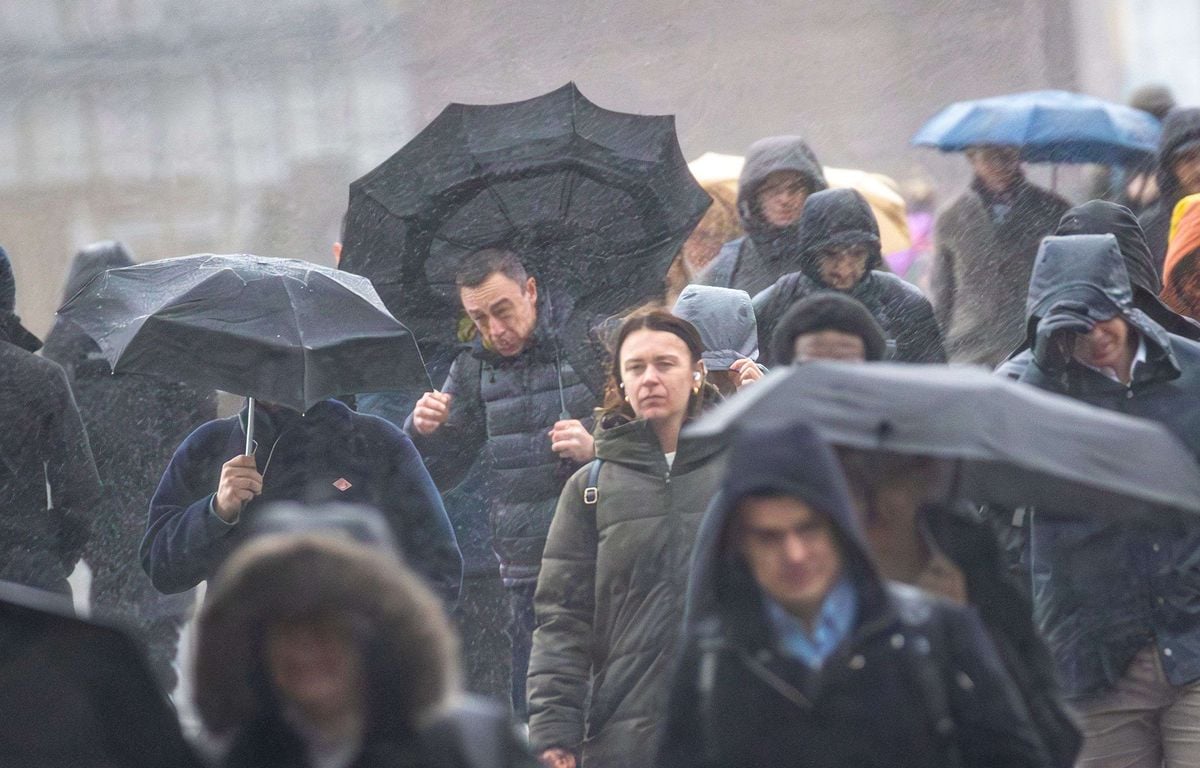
725,319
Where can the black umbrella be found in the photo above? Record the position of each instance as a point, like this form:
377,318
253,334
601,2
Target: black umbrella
77,693
280,330
1017,446
595,202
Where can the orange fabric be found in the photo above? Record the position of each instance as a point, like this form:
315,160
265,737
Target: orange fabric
1181,270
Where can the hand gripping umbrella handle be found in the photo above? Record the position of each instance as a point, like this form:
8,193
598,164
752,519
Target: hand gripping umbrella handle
250,426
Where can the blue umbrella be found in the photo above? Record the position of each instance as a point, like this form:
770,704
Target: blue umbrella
1048,126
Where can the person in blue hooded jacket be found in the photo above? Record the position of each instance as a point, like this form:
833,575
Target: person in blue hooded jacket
801,654
1118,602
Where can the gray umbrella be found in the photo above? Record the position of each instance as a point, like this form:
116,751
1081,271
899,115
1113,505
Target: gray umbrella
1017,446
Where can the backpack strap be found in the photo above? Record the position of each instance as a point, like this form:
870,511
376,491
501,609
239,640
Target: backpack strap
591,491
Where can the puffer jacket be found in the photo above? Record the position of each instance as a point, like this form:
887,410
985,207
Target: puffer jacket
610,598
753,262
1103,590
1180,127
505,407
843,217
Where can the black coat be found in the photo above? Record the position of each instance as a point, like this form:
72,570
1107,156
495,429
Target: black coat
915,683
301,458
48,478
1104,590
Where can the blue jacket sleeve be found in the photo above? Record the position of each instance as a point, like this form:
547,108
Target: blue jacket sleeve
418,518
185,539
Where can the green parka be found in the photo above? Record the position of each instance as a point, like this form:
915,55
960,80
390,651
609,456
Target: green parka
610,596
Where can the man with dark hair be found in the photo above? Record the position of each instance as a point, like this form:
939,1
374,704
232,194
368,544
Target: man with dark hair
524,397
828,326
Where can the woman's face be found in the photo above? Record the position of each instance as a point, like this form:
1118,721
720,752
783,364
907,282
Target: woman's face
658,374
315,666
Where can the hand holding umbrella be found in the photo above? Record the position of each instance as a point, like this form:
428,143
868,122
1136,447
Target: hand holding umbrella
240,482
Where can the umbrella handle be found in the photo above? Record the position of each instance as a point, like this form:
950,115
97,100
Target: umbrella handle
250,427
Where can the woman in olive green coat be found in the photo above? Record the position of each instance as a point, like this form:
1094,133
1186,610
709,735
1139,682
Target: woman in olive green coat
610,595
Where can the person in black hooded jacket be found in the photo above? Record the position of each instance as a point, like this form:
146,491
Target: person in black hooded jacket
1100,217
806,656
780,173
1178,176
839,250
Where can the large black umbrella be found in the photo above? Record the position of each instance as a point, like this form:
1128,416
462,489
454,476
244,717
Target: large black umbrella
1016,445
78,694
280,330
596,203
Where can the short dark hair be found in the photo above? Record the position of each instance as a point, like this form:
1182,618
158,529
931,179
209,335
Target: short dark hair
482,264
827,311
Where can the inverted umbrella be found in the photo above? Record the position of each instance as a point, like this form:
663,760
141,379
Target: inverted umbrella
595,202
280,330
1016,445
1048,126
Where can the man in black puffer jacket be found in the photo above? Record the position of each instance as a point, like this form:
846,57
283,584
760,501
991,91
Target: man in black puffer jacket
523,396
839,251
806,656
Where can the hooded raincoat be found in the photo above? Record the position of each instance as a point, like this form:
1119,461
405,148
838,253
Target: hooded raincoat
842,217
1181,126
1099,217
610,597
1104,590
984,251
753,262
915,682
725,320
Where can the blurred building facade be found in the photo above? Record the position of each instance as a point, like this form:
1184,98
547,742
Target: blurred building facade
185,126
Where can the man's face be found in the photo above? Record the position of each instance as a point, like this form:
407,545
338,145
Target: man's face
841,267
829,345
1186,167
781,198
504,311
997,167
1105,346
791,551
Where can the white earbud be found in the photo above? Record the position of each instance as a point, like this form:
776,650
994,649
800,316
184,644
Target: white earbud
696,375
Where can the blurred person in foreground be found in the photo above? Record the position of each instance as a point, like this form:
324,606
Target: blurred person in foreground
779,175
610,596
985,242
805,655
1116,600
314,651
134,424
828,326
724,318
839,251
48,478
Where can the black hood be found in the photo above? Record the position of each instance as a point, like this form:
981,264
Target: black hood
790,460
93,260
1090,270
1100,217
766,156
837,217
1181,126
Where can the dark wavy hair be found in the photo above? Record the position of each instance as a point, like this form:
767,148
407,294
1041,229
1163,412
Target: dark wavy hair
647,319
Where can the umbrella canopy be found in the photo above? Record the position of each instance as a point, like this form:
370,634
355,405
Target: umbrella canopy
280,330
886,202
1018,446
77,694
596,203
1048,126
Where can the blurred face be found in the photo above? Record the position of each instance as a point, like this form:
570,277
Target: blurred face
315,666
1186,167
997,167
781,198
791,551
503,311
829,345
658,374
702,245
843,266
1107,345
